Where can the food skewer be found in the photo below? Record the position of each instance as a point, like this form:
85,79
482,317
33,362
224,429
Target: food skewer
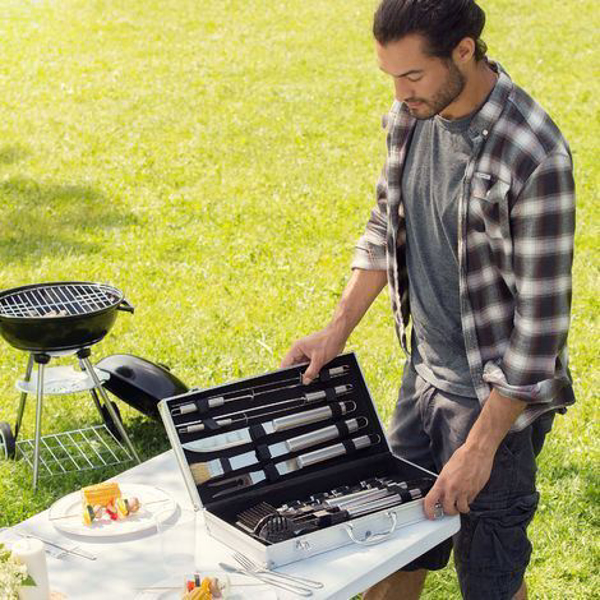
216,401
246,480
78,516
202,472
230,418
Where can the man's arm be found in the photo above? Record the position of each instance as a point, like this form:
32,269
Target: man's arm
469,468
542,226
321,347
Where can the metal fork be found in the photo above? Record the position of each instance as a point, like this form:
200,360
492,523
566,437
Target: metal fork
250,565
294,588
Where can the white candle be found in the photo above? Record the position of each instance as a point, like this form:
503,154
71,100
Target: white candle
31,553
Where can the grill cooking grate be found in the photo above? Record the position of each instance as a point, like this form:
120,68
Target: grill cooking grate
58,300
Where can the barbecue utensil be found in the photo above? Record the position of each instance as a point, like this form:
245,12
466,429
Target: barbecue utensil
231,439
277,528
268,579
252,518
202,472
249,564
251,392
242,416
246,480
278,525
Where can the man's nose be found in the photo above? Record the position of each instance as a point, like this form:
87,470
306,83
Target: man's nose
402,90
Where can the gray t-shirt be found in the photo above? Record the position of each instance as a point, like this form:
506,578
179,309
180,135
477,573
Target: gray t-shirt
431,184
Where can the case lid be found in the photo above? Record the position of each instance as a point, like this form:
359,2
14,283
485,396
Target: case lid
248,437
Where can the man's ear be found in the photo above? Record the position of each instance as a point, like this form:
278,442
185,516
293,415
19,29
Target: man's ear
464,51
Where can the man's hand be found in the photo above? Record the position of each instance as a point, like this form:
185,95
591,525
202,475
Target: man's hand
461,479
318,348
469,468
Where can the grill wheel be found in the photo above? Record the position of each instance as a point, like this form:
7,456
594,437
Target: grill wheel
7,440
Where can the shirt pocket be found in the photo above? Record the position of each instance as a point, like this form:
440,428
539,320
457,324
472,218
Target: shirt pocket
489,206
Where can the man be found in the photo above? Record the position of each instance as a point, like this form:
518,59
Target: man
473,233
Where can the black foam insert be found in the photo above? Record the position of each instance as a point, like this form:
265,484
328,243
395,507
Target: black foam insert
270,392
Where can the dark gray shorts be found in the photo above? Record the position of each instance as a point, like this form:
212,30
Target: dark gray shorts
491,550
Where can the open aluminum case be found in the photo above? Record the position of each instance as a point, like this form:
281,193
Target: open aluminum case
279,387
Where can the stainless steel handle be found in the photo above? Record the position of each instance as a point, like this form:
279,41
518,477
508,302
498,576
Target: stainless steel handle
339,390
200,426
364,441
337,371
370,539
316,437
303,418
312,458
186,409
216,401
375,506
306,460
358,498
315,396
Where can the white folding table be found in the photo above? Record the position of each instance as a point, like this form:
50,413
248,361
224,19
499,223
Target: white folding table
124,566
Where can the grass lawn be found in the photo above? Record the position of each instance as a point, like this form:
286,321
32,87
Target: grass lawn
216,161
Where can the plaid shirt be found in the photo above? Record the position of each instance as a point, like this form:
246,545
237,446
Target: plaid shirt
515,247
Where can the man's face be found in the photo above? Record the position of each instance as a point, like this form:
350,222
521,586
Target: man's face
427,84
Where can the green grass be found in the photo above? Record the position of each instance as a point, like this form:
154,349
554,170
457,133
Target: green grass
216,161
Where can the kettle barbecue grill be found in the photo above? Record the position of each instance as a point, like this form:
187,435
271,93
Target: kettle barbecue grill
59,319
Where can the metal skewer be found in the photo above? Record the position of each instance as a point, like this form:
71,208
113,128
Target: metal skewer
216,401
230,418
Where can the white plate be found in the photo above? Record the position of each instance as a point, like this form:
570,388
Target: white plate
66,514
241,588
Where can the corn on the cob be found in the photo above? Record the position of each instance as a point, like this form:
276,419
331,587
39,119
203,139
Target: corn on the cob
101,493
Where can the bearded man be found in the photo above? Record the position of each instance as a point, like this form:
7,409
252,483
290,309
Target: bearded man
473,234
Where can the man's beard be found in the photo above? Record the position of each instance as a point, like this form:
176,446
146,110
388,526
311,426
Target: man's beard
448,93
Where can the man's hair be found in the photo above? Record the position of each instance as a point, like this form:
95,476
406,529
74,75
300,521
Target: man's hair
443,23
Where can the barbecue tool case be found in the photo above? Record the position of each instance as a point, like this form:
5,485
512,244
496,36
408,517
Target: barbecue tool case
284,471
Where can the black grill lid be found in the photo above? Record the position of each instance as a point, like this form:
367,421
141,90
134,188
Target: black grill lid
140,382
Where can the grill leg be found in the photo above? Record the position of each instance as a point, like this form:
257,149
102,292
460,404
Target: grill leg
23,397
90,370
42,360
93,392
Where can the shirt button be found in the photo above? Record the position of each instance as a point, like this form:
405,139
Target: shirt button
485,132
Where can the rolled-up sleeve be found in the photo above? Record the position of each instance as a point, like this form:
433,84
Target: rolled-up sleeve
533,367
370,250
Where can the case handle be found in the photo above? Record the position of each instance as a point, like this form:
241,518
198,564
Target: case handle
371,540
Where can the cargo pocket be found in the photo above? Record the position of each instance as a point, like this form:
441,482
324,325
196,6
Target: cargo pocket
495,541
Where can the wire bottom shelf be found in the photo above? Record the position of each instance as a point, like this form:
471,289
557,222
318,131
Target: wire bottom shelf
77,450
